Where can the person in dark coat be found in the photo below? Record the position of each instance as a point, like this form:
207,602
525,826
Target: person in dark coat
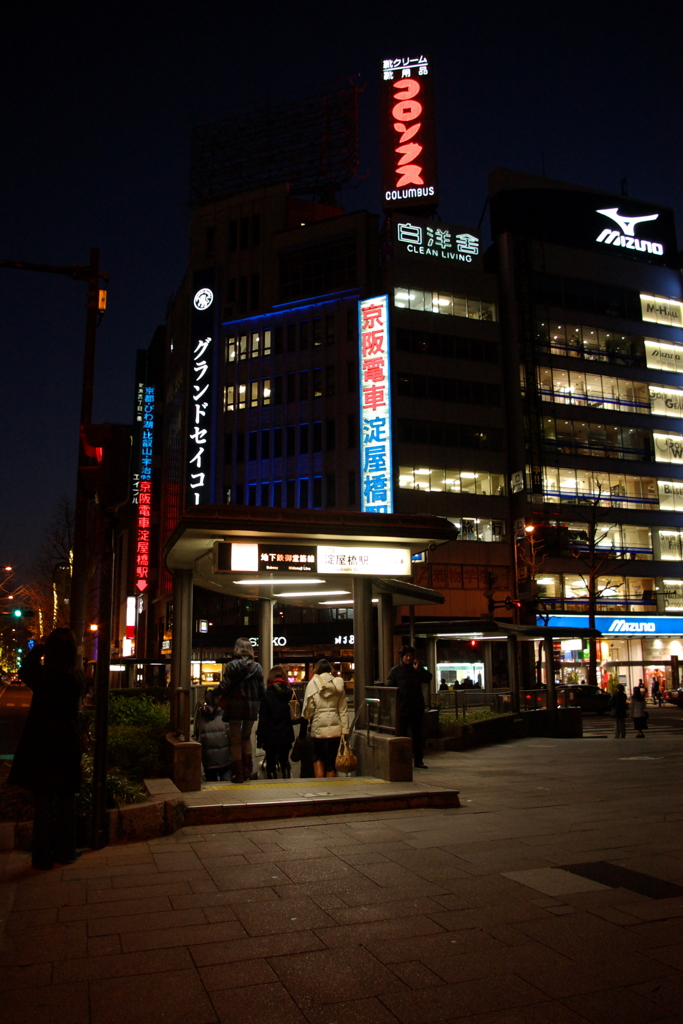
48,758
411,704
275,733
212,733
239,694
618,709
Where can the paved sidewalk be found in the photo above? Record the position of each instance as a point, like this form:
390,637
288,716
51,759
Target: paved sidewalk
550,897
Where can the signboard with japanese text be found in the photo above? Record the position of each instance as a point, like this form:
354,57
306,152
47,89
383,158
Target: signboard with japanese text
337,559
142,550
375,406
284,558
364,561
409,171
202,404
429,240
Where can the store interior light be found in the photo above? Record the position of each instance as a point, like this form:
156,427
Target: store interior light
278,583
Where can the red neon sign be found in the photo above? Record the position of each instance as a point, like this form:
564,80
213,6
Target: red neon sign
408,135
142,549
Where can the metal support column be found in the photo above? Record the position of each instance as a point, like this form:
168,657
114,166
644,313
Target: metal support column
363,637
386,636
181,651
488,666
431,662
549,656
513,670
265,606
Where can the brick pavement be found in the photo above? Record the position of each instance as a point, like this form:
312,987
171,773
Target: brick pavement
416,916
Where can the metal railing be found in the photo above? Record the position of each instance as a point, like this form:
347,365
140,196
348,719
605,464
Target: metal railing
460,702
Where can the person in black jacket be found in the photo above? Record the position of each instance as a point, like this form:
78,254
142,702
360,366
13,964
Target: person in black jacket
618,709
275,733
239,693
411,704
48,758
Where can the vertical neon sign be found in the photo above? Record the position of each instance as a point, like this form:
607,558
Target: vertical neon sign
145,491
375,406
201,404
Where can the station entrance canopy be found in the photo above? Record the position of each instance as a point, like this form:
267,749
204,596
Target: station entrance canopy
299,556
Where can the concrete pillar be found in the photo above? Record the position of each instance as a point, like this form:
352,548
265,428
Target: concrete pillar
386,636
431,662
513,670
411,619
265,606
363,637
181,651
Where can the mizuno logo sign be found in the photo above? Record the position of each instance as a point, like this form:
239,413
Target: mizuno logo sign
626,237
622,626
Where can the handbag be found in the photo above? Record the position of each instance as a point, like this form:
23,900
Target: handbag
294,708
346,760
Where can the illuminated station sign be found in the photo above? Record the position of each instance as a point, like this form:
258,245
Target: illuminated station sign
332,559
377,493
409,177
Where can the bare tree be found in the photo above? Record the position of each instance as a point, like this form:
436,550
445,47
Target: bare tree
48,583
597,562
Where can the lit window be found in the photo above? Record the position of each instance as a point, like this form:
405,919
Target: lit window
445,303
265,399
253,401
230,398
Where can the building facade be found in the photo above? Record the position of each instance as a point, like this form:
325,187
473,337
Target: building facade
534,384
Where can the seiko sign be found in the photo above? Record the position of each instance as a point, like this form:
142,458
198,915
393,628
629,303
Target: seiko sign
626,235
422,239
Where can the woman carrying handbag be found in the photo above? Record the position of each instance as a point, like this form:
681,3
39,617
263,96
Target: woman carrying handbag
325,708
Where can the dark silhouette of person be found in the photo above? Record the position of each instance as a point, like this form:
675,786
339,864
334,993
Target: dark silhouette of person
411,706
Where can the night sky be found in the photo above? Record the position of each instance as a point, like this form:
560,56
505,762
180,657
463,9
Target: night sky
97,105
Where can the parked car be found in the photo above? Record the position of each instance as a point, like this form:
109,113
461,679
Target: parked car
674,697
588,698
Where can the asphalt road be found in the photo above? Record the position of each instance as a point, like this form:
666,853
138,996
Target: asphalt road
667,719
14,704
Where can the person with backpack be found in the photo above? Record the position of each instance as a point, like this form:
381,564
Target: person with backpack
326,709
239,694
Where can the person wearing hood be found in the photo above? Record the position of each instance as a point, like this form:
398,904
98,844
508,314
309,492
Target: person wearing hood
239,694
275,733
325,708
210,730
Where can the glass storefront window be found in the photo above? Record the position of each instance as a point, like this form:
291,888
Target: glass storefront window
485,530
569,387
579,341
614,490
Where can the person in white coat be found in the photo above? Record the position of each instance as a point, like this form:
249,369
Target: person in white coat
326,710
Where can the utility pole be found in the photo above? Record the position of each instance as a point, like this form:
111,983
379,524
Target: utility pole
96,305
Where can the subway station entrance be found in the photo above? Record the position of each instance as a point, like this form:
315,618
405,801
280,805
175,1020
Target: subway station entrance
297,556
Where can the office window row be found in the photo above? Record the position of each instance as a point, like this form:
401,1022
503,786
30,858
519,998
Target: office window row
458,481
578,341
447,346
446,389
568,592
473,307
295,439
294,337
568,387
601,440
450,435
290,387
299,492
624,539
613,490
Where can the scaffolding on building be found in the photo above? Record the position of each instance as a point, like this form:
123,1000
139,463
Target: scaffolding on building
310,141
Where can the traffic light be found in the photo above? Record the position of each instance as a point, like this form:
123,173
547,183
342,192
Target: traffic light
108,481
